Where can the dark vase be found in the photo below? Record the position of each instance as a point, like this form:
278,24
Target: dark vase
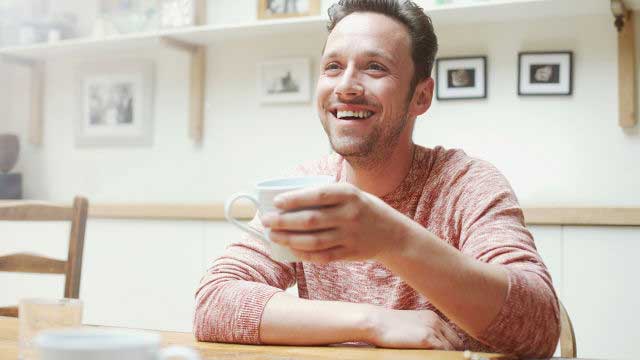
10,184
9,149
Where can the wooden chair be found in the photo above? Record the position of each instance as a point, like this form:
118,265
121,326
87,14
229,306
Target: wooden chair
30,263
568,347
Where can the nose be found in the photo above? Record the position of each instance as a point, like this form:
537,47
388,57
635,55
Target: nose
348,85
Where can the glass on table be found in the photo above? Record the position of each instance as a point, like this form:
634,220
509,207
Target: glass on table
35,315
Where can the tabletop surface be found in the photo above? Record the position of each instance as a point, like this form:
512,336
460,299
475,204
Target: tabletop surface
9,349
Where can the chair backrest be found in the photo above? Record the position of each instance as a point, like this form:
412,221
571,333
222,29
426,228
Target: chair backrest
31,263
568,347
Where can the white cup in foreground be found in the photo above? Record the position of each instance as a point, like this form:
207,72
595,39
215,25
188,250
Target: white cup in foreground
265,192
106,344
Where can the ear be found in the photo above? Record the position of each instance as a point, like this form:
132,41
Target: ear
422,96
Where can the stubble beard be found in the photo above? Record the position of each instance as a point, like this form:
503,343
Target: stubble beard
370,151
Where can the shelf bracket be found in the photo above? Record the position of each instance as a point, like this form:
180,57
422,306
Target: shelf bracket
198,74
627,90
37,89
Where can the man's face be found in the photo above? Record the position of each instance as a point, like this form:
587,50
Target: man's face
363,88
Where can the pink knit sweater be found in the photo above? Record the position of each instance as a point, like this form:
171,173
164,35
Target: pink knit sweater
462,200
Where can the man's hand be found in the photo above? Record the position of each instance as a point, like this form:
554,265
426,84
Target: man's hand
414,329
338,222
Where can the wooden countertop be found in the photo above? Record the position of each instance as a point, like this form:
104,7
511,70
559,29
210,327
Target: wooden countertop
595,216
587,216
9,349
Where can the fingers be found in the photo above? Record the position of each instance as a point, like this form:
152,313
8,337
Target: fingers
449,339
437,341
452,337
306,241
306,220
319,196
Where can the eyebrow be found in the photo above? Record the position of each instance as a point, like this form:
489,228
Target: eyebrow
368,53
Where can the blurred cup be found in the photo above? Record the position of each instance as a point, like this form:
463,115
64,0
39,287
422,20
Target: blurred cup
107,344
35,315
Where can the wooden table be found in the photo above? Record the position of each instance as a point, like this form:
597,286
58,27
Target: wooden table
9,349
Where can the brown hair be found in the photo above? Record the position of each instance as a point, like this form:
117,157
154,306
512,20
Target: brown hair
424,43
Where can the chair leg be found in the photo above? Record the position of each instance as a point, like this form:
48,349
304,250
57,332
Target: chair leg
568,347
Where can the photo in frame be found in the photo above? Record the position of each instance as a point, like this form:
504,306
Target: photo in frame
545,73
459,78
115,103
275,9
284,81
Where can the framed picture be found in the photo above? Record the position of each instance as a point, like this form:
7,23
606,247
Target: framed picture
461,78
284,81
274,9
115,103
545,73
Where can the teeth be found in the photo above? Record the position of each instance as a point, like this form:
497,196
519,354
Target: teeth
359,114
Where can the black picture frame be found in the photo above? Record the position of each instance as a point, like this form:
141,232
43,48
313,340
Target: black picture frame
441,93
568,83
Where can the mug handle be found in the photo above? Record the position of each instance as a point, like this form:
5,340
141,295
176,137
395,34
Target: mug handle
227,214
178,351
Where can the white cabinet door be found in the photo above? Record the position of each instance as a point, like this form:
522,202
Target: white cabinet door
549,244
142,274
602,291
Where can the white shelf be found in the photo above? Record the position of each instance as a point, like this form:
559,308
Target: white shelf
491,11
200,35
496,11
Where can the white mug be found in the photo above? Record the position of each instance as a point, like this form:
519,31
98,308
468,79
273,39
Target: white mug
265,191
106,344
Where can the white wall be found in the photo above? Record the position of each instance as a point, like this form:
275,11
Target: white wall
4,94
237,130
554,150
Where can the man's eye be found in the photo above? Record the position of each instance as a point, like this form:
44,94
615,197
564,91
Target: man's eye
332,66
376,67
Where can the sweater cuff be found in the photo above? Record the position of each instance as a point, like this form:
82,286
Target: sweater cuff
507,328
251,308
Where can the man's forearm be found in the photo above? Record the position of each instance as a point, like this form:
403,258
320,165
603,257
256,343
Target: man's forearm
288,320
470,293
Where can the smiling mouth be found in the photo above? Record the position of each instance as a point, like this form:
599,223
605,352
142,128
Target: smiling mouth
352,115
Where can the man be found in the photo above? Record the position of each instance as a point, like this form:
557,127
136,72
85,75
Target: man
412,248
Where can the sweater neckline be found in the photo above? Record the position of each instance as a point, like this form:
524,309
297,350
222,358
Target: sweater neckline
407,185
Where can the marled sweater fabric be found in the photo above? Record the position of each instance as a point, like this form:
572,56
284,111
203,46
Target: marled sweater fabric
462,200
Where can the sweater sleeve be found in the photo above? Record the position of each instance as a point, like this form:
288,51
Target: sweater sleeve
493,231
235,290
233,293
